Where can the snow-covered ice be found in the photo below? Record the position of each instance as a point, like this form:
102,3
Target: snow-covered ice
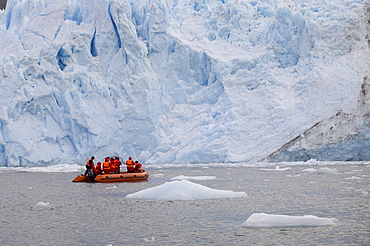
274,220
184,190
239,81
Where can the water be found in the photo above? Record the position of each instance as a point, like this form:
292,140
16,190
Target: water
48,209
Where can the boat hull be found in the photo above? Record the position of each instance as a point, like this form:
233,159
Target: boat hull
115,177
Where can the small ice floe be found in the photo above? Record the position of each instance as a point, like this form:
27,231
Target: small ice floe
184,190
157,175
111,187
312,161
182,177
43,205
348,173
322,170
277,168
311,182
59,168
353,178
148,240
362,192
294,175
273,220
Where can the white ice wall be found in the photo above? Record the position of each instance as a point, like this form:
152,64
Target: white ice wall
176,81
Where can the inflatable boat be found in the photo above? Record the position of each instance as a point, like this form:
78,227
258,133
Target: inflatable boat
114,177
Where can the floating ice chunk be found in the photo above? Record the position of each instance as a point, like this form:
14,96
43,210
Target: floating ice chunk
60,168
353,178
148,240
182,177
111,187
157,175
364,193
294,175
184,190
43,204
277,168
312,161
322,170
272,220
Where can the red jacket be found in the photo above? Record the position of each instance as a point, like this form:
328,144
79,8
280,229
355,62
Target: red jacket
138,166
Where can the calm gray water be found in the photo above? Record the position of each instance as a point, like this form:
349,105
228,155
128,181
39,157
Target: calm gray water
99,214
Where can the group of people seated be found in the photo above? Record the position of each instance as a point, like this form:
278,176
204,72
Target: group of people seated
112,165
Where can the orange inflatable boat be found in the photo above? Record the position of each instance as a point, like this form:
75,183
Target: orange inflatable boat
115,177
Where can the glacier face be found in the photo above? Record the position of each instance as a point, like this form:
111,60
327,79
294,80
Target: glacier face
184,81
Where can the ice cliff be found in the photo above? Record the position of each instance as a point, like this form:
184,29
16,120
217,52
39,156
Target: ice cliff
168,81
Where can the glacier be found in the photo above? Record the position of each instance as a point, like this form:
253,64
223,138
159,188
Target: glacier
168,81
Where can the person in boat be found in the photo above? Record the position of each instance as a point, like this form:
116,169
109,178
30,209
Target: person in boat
137,167
107,165
130,164
113,168
118,164
89,164
98,170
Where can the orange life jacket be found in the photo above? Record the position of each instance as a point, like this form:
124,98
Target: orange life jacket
138,166
98,168
113,163
106,165
130,163
90,163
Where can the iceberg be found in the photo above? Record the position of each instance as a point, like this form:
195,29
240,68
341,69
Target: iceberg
184,190
273,220
239,81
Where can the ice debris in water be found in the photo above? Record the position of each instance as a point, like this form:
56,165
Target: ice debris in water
273,220
148,240
277,168
182,177
322,170
184,190
43,204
